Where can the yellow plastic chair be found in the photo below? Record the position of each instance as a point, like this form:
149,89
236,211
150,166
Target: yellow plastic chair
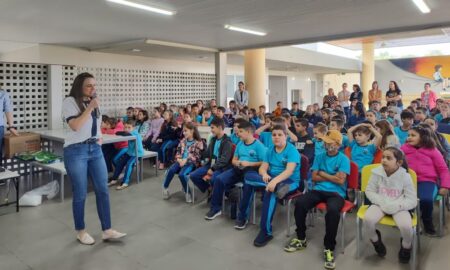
446,136
386,220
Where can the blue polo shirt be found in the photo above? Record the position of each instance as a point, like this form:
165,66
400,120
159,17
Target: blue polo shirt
5,105
254,152
319,147
266,138
401,134
362,155
278,161
345,143
235,139
216,148
331,165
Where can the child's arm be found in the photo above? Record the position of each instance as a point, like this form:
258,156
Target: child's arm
442,170
378,136
263,171
350,133
262,128
290,167
291,135
372,191
338,178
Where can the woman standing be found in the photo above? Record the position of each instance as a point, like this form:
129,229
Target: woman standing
375,93
83,156
357,93
394,94
331,98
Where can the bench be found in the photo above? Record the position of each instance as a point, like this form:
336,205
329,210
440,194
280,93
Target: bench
57,167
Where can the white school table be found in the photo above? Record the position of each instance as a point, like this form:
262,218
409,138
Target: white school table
5,177
56,139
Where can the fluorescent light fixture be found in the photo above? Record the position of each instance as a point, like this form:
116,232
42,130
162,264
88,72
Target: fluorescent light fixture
422,6
141,6
243,30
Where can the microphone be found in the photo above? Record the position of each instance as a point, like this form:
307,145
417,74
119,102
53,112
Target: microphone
94,96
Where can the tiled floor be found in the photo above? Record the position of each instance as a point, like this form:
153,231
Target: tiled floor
173,235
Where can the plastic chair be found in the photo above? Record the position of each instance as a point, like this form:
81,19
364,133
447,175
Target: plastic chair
352,183
386,220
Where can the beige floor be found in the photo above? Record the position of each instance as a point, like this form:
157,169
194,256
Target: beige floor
173,235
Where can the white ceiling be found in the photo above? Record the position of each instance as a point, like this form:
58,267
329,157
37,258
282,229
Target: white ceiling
93,23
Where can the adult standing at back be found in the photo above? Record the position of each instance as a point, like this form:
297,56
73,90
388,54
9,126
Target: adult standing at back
331,98
428,97
241,96
375,94
83,156
394,94
344,97
357,93
6,107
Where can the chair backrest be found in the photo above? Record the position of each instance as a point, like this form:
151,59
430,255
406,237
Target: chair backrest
378,156
367,171
446,136
233,149
304,167
348,152
352,179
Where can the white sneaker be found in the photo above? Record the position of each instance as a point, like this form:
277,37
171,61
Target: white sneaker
85,239
112,234
188,197
166,194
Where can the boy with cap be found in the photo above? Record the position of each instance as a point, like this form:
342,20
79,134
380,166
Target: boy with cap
330,170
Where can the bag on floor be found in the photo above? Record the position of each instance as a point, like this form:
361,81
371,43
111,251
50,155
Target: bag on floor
34,197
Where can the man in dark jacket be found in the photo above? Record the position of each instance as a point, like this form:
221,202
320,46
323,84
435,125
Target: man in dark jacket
217,157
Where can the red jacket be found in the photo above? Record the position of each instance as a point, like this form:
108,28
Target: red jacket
431,99
119,127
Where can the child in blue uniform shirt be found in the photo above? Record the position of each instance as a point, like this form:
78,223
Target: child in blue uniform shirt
362,148
330,170
254,119
320,130
338,124
128,159
247,158
235,135
279,174
407,123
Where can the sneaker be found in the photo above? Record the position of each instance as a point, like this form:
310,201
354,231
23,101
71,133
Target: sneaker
379,246
262,239
429,229
123,186
85,239
112,183
295,244
212,214
404,254
188,197
329,259
112,235
240,224
165,193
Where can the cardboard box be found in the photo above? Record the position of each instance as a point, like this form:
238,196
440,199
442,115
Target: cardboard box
25,142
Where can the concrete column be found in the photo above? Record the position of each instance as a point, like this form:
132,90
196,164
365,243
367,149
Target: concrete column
221,78
368,69
55,97
255,76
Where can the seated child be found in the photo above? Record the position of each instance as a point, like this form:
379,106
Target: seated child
330,170
391,192
217,157
279,174
111,151
320,130
407,123
247,158
362,148
206,118
187,159
254,119
337,123
129,159
235,139
304,143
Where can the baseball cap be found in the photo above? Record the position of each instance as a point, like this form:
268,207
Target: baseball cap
333,136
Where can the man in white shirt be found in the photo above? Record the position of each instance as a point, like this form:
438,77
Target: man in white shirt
343,98
241,96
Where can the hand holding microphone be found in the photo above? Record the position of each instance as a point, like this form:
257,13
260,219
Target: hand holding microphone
94,103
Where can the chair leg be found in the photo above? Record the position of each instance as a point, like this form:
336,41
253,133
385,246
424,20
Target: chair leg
254,209
288,219
343,232
358,238
441,217
413,263
61,186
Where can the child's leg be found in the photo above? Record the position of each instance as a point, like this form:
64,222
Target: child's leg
184,174
170,147
270,204
196,178
164,148
248,190
128,170
332,217
372,217
427,192
404,223
170,173
120,164
305,203
222,183
118,155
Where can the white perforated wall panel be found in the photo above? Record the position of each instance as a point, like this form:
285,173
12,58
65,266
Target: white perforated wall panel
27,87
120,88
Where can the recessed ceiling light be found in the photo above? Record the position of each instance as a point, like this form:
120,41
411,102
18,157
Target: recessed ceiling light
243,30
135,50
141,6
422,6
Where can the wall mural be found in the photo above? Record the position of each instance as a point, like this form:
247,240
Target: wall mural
434,68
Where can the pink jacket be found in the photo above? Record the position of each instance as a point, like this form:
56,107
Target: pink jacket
428,164
431,99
